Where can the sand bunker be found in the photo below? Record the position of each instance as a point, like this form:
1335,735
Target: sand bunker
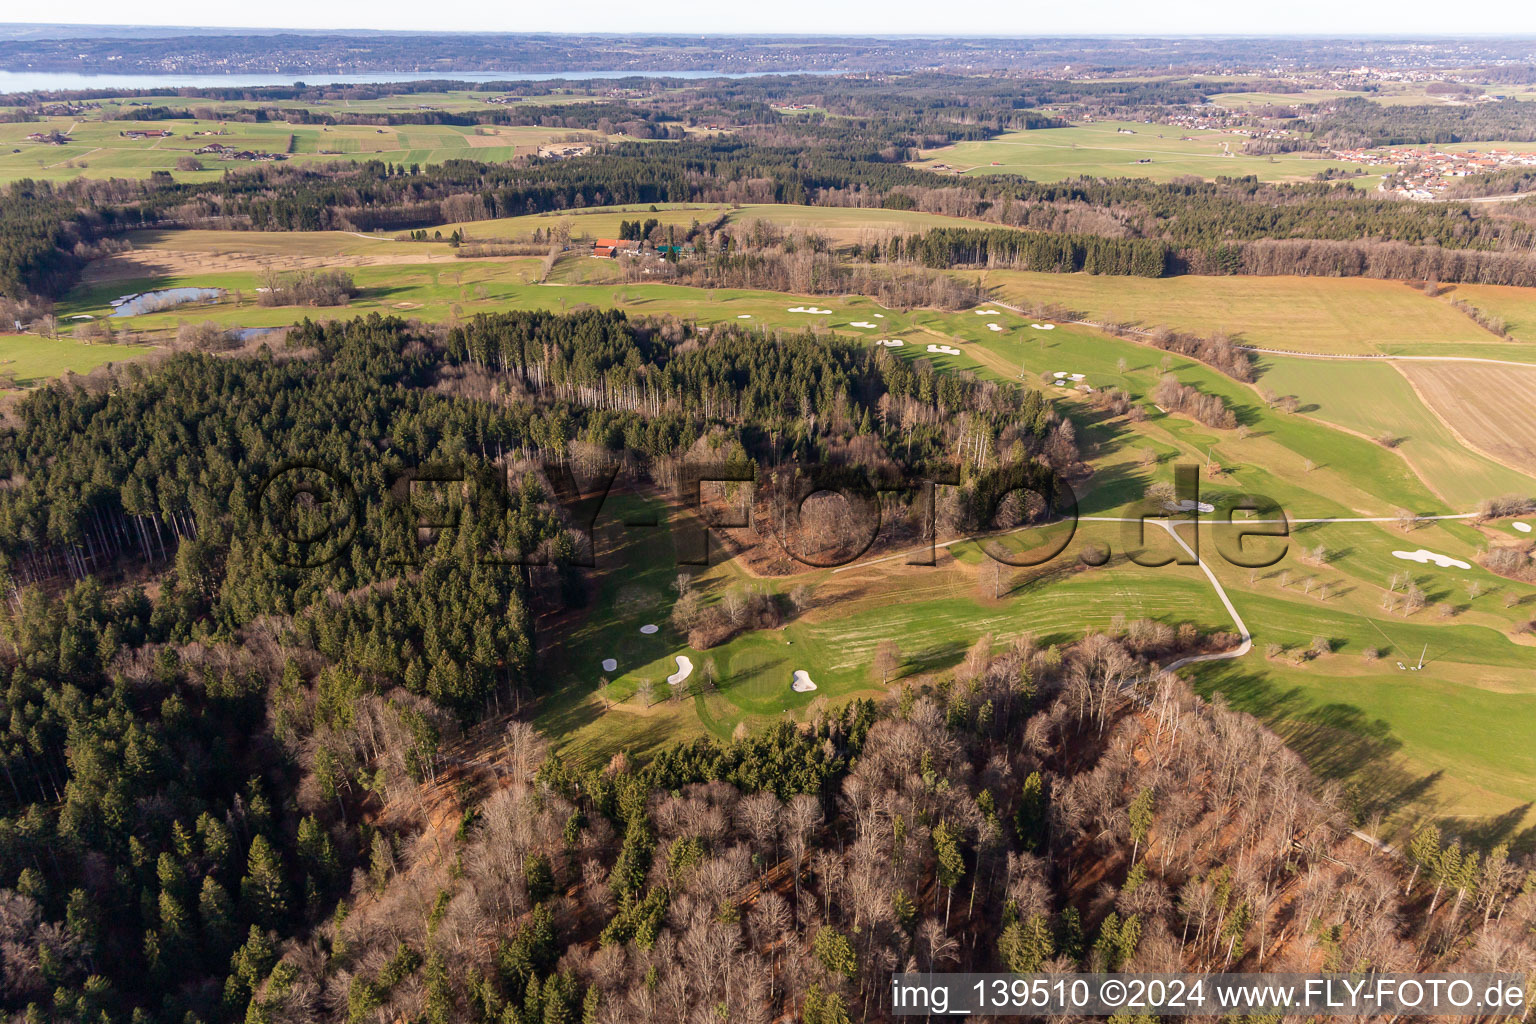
743,316
890,342
810,309
684,670
861,323
1425,556
649,628
1522,527
944,350
1063,375
989,312
879,316
1043,327
1189,506
994,327
802,683
610,664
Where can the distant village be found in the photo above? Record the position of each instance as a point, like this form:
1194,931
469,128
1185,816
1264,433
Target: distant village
1424,173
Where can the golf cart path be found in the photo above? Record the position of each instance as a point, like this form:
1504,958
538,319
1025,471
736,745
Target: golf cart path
1172,527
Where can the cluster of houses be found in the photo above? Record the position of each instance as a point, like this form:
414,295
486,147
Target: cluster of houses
54,138
224,152
1424,173
148,133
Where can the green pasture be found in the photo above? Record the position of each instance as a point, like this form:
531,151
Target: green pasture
98,149
1105,149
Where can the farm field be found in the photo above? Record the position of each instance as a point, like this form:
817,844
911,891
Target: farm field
29,360
1515,306
1375,399
1122,149
1357,316
840,224
98,149
1488,406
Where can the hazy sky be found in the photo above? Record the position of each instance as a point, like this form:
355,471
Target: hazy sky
973,17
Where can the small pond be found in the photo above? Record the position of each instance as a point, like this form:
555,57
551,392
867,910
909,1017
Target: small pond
165,298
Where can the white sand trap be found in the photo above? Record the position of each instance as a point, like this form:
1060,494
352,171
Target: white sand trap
944,350
989,312
1063,375
684,670
1189,506
82,316
610,664
1059,383
649,628
1425,556
891,342
810,309
1522,527
1043,327
743,316
879,316
994,327
802,683
861,323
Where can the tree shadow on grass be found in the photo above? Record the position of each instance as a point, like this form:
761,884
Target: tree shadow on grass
1338,741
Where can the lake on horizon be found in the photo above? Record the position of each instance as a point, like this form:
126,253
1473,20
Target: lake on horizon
30,81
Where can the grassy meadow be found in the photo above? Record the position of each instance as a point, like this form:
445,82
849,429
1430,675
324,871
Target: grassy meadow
1126,149
98,149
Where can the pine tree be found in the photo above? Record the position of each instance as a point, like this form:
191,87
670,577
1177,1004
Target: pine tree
263,892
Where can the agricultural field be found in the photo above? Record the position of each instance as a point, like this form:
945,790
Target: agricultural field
98,149
1119,149
1375,399
1515,306
1488,406
1346,316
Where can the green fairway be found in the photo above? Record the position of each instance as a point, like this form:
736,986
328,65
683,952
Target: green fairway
29,359
1123,149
